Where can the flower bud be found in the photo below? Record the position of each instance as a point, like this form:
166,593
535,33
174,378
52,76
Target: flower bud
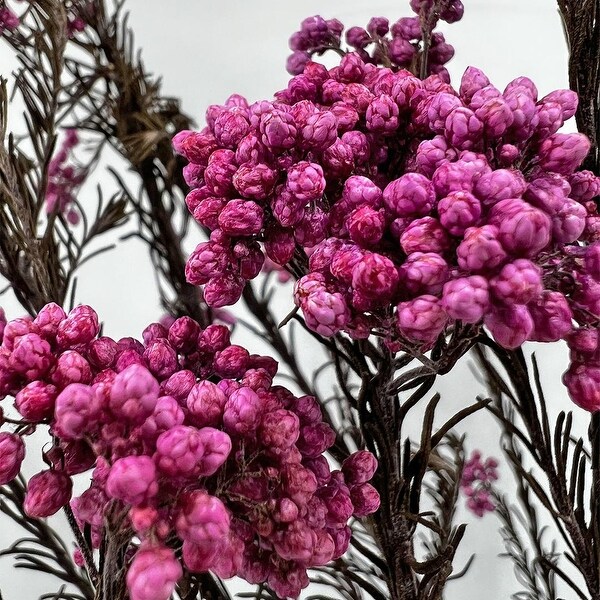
47,492
365,499
421,319
12,453
510,325
202,518
133,480
35,402
134,394
153,573
76,411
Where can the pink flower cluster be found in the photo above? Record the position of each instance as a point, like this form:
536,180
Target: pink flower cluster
64,179
379,44
187,432
476,482
408,205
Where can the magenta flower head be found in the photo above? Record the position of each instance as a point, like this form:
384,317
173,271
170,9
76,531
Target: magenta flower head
134,394
552,317
568,223
375,277
315,439
458,211
585,186
412,195
254,181
31,356
423,273
80,327
510,325
499,184
71,367
365,499
438,110
463,129
433,153
35,402
466,299
242,412
279,430
217,446
518,282
360,191
206,403
422,319
481,250
359,467
132,479
319,131
194,146
230,127
564,152
76,411
179,452
153,573
522,229
278,130
224,290
382,115
167,414
241,218
47,492
473,80
48,320
583,384
179,385
12,453
325,312
202,518
425,235
306,181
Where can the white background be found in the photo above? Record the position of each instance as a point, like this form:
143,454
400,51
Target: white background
205,51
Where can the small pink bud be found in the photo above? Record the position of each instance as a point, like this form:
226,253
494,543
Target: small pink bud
47,492
153,573
133,480
12,453
134,394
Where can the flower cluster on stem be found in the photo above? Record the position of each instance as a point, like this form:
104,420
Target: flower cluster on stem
189,433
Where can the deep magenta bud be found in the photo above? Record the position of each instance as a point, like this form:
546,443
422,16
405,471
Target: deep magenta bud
12,453
35,402
153,573
134,394
359,467
466,298
47,492
133,480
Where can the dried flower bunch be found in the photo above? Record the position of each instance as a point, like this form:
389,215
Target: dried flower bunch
406,206
419,222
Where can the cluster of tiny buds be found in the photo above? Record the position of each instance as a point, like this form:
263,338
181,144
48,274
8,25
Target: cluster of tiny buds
409,206
476,483
65,177
399,45
219,467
